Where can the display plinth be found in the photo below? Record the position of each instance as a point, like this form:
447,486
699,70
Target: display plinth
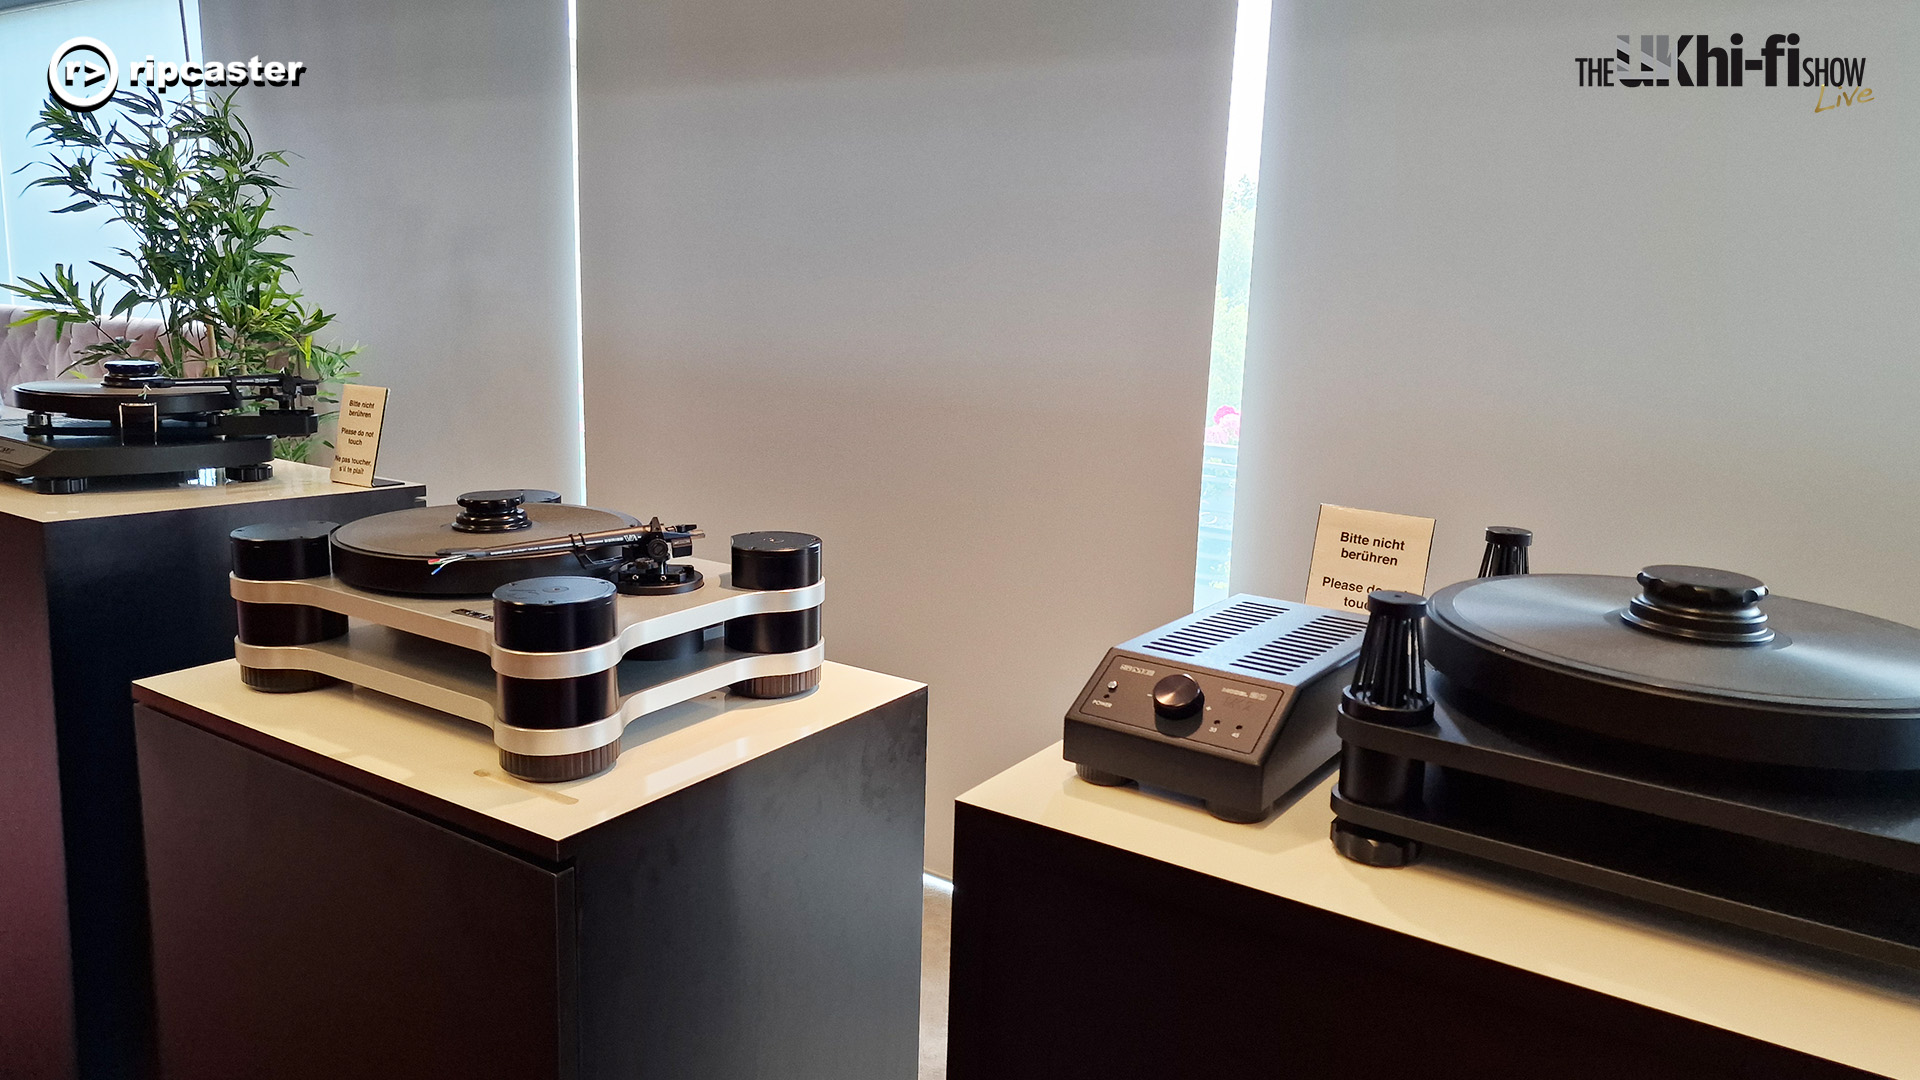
97,589
1109,931
344,884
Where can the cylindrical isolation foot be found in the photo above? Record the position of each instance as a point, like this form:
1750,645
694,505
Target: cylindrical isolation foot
778,686
552,770
284,680
1100,776
1371,847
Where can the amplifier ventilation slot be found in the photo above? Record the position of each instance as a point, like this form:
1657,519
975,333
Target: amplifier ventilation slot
1196,638
1290,652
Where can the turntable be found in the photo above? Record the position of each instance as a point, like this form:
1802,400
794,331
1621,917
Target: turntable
554,625
1681,737
137,422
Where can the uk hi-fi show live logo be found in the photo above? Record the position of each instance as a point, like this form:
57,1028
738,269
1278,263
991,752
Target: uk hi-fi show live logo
1653,60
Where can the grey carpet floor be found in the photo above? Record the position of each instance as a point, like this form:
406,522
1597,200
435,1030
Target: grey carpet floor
936,932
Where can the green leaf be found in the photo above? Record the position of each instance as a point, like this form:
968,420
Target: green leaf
183,175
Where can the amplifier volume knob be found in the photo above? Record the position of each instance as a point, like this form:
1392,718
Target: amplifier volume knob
1177,697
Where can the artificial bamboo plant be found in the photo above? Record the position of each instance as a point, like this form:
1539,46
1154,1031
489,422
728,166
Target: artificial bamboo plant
184,176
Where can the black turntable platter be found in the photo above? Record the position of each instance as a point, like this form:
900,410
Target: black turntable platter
97,401
399,552
1686,659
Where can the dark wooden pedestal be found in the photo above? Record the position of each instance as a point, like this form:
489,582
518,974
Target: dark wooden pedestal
96,590
314,919
1074,958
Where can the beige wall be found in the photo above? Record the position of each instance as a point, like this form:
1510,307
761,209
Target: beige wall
434,171
1655,325
934,280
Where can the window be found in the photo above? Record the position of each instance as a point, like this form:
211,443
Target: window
35,237
1246,108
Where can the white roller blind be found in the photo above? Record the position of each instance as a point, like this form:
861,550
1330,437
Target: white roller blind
932,279
1664,324
434,172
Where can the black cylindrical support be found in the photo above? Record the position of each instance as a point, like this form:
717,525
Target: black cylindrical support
1506,551
779,632
250,474
287,551
1390,680
775,560
1372,778
283,552
553,614
1389,687
287,624
670,648
557,703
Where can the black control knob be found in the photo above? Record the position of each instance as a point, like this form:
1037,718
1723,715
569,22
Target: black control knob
1177,696
492,511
